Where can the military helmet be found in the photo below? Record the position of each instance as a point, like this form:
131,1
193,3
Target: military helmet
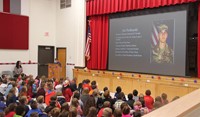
163,27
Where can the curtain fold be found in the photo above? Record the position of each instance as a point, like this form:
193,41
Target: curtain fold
99,43
99,7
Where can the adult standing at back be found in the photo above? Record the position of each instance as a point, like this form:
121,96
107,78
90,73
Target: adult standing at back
18,70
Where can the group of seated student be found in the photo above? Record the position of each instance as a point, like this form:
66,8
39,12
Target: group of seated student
26,96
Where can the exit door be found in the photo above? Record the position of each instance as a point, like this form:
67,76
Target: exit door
45,56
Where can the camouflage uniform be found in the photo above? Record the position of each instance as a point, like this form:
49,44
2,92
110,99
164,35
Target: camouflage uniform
162,55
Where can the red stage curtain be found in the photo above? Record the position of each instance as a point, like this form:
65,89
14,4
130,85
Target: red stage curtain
6,6
198,52
99,7
99,43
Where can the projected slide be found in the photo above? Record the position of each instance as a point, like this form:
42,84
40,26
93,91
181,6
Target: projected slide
154,43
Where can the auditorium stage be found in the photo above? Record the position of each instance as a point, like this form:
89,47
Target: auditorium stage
172,86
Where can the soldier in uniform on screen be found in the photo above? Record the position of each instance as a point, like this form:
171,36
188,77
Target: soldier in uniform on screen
162,53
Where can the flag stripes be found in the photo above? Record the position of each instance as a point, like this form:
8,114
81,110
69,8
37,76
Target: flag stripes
88,42
154,36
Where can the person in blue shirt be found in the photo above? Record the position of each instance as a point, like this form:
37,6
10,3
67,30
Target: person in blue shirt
34,108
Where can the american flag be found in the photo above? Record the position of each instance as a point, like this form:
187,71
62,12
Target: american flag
87,47
154,38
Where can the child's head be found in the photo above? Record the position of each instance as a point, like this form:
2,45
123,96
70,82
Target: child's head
50,86
92,112
55,112
135,92
77,95
141,96
95,92
120,95
87,81
105,88
40,99
137,105
123,105
107,112
117,113
85,91
73,111
130,96
24,89
11,107
53,98
148,92
137,114
107,94
93,82
34,105
157,104
158,98
118,89
126,110
164,96
23,100
65,107
20,110
23,83
36,81
75,102
106,104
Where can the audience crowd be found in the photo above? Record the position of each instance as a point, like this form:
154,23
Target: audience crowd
26,96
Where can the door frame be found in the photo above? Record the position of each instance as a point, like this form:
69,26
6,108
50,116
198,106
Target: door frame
57,48
38,55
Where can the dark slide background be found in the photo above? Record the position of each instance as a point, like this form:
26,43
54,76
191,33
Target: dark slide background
130,43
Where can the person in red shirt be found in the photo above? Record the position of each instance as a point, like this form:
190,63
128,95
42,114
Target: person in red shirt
148,100
67,92
10,110
105,104
49,93
86,84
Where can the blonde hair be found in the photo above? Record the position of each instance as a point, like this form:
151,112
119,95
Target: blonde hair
107,112
40,99
55,112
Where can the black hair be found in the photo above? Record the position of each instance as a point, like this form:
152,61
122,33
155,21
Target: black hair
148,92
130,96
87,81
135,92
77,95
19,110
93,82
105,88
33,104
118,89
120,95
17,64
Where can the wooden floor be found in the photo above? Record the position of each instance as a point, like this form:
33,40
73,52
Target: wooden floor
173,86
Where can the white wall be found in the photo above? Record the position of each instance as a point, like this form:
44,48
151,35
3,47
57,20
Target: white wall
66,28
42,18
25,7
70,33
